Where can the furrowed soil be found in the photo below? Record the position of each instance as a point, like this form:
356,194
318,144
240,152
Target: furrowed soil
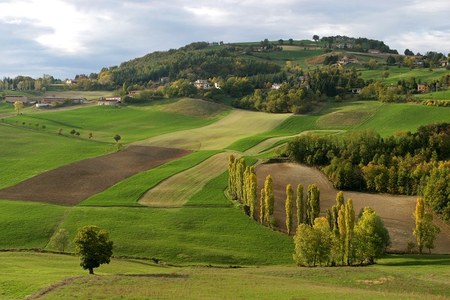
395,210
71,184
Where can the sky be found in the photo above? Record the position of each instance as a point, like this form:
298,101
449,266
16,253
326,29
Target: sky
65,38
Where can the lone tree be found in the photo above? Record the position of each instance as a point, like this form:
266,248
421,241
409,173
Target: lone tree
117,138
93,246
18,105
316,38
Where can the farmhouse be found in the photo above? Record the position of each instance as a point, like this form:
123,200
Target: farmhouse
12,99
113,101
276,86
423,87
202,84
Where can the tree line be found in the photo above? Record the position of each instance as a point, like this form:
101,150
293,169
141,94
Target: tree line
410,163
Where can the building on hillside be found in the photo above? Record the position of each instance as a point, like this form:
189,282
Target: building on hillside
423,87
12,99
374,51
202,84
276,86
111,101
71,81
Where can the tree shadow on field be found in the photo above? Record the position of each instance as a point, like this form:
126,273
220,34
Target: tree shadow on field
415,260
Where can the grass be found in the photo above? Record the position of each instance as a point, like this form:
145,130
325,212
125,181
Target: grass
391,118
237,125
440,95
190,235
25,273
130,190
27,152
28,225
396,74
176,190
133,123
394,277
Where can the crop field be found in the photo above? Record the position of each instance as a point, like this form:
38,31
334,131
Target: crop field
177,211
440,95
237,125
178,189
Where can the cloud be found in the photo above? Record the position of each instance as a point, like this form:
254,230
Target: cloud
65,38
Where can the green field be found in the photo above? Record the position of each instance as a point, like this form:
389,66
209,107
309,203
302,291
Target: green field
394,277
396,74
205,227
440,95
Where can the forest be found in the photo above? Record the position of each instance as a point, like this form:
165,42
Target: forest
411,163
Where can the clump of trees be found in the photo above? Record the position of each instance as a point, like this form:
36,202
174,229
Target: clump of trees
338,239
408,163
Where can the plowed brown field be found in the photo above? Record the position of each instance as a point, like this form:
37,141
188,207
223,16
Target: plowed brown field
396,211
73,183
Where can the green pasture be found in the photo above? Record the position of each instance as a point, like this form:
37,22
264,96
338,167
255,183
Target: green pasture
28,151
26,273
396,74
132,123
391,118
439,95
393,277
6,108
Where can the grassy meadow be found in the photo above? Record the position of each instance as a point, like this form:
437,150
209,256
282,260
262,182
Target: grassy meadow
51,276
204,227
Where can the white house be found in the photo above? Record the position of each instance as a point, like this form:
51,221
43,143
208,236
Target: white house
202,84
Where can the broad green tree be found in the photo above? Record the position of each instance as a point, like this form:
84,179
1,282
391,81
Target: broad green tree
313,244
93,246
371,237
289,205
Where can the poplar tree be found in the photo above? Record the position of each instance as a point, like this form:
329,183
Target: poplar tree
349,227
419,231
313,207
262,206
342,232
300,203
289,205
269,197
232,176
253,194
240,168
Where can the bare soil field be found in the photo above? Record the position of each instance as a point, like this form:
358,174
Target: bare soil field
71,184
396,211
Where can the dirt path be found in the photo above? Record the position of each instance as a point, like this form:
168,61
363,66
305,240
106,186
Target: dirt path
395,210
73,183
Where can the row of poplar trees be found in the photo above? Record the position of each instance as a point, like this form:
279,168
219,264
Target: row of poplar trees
242,186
